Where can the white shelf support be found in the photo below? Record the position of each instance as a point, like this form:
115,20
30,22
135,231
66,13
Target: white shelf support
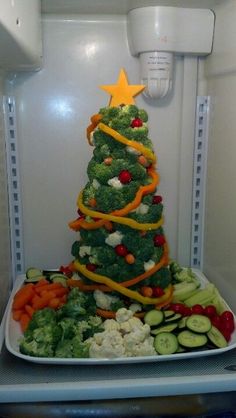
199,180
14,193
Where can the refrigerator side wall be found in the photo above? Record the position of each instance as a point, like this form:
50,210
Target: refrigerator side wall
220,228
4,218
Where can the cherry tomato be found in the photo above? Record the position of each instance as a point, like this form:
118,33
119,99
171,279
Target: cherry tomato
121,250
210,311
91,267
216,321
157,291
156,199
136,123
198,309
187,311
159,240
125,177
228,326
226,334
178,308
227,316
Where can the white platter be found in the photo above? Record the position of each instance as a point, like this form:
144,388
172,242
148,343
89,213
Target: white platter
13,335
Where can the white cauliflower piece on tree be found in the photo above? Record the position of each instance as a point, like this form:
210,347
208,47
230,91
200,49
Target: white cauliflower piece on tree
111,325
115,182
114,239
123,315
103,300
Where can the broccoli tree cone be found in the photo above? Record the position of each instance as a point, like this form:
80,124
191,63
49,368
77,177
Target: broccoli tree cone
121,237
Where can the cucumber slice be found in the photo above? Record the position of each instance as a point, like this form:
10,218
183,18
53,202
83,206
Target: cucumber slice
174,318
59,278
168,313
217,338
164,328
190,339
198,323
182,322
153,317
166,343
33,275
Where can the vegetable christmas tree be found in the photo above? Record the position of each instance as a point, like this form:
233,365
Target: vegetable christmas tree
121,247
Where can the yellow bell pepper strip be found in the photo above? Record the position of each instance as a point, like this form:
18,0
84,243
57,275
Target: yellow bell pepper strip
134,144
132,294
81,223
95,121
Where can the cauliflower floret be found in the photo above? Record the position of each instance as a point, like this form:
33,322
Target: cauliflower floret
115,182
132,150
142,209
111,324
144,349
135,307
96,184
107,344
123,315
104,301
114,239
148,265
84,250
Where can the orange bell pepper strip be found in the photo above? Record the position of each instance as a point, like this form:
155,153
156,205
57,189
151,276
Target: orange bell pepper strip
94,122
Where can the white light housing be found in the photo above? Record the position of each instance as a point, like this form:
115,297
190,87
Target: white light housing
156,33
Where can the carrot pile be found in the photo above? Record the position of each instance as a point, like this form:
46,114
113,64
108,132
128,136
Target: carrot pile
32,297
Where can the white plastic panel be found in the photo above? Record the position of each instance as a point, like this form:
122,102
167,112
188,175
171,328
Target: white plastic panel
53,109
5,270
20,35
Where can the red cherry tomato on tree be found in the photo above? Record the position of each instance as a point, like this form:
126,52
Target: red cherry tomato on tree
91,267
136,123
125,177
159,240
121,250
157,291
156,200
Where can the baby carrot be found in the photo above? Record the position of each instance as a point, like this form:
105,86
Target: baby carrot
23,296
24,321
16,314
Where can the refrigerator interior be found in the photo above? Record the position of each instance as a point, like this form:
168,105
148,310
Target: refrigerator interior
85,46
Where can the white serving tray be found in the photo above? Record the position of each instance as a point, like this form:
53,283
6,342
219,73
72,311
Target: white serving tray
13,335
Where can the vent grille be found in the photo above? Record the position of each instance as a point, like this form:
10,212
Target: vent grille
14,194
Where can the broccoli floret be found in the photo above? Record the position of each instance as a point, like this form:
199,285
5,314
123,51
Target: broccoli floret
153,215
88,193
120,122
103,255
80,349
68,326
94,237
109,199
35,349
48,334
108,113
162,278
102,152
41,318
131,110
86,329
186,275
64,349
99,171
139,246
142,114
78,305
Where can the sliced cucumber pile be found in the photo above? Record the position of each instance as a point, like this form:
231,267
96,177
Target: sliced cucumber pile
174,333
33,275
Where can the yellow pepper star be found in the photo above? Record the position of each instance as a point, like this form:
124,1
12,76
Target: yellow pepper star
122,92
